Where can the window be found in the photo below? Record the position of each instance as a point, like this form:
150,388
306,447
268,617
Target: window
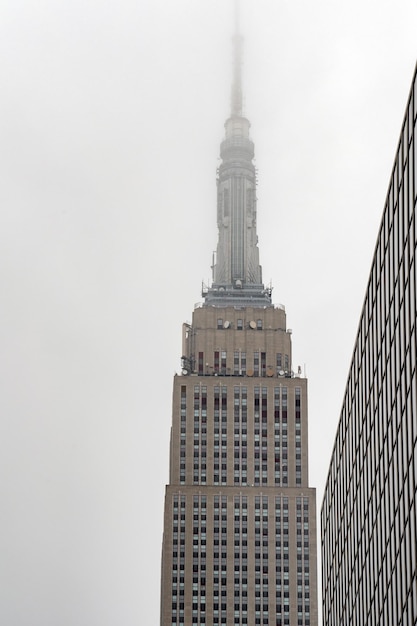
223,362
200,363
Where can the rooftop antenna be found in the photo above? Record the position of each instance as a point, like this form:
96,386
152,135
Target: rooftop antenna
237,65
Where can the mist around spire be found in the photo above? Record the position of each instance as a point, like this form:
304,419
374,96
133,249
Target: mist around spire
237,274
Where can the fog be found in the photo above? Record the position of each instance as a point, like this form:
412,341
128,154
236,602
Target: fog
111,117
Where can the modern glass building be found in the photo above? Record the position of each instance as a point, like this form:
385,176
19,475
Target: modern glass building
239,545
369,512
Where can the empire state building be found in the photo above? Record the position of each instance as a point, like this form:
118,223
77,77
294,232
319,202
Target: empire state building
239,543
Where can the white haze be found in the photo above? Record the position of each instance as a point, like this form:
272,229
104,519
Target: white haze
111,116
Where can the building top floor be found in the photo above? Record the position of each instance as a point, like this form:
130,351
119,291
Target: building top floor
238,341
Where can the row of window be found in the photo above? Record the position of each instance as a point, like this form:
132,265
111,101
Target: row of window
220,364
240,324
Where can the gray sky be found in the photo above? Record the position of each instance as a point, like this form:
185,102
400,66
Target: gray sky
111,116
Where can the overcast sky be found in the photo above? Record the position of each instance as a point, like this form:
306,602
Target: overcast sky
111,117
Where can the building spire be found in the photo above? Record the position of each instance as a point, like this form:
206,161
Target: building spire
237,275
237,66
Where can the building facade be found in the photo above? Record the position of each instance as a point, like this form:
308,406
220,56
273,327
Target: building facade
369,511
239,544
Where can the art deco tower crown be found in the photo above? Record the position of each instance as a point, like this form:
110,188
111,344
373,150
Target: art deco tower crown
237,274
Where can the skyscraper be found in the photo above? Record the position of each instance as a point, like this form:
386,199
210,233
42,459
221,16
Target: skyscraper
239,543
369,511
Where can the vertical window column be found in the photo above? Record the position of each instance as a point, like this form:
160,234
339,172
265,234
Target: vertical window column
240,435
236,435
196,561
279,566
257,553
256,363
216,433
223,363
203,441
261,560
175,562
199,560
298,476
224,434
240,561
243,363
196,435
223,560
277,436
282,573
216,560
239,363
178,560
201,363
303,563
265,563
244,435
237,562
287,363
300,581
286,572
244,557
263,364
200,435
183,429
264,435
236,363
284,434
256,437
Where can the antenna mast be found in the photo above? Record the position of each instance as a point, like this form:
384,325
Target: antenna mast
237,65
